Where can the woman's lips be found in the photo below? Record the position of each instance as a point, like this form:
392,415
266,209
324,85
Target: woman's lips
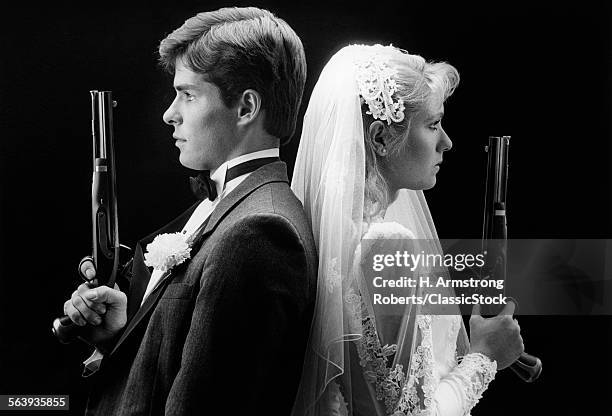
178,141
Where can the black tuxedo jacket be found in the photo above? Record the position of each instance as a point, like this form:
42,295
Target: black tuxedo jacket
226,332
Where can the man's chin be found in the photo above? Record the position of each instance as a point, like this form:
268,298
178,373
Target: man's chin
187,162
197,164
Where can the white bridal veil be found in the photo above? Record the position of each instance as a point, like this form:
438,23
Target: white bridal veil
356,354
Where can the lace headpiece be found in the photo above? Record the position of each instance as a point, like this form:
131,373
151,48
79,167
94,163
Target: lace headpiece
377,86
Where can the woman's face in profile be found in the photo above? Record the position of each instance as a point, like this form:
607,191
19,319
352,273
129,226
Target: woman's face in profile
418,162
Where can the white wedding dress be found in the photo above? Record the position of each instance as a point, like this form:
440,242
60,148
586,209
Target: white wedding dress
361,361
448,388
424,376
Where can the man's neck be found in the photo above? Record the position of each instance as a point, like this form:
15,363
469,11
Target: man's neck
218,175
237,157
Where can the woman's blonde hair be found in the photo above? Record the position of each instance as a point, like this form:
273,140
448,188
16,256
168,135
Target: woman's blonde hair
419,84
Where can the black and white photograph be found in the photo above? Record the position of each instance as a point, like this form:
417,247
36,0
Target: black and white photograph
306,209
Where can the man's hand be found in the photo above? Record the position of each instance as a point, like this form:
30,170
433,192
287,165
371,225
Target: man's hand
499,338
102,307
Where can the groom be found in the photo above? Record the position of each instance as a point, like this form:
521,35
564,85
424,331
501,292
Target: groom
223,332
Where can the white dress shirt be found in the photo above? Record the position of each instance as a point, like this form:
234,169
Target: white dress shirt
206,207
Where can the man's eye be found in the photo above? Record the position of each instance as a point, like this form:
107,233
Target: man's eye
435,125
188,96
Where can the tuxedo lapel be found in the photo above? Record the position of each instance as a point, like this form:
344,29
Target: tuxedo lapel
273,172
141,273
144,310
140,279
141,312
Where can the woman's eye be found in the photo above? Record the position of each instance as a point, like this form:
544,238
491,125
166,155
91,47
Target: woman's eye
435,125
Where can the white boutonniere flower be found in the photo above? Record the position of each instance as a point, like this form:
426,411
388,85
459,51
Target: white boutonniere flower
167,251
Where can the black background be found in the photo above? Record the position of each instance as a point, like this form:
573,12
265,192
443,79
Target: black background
538,71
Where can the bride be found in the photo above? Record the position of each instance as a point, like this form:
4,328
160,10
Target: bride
372,140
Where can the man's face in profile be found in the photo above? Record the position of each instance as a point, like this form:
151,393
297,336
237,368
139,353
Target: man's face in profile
204,127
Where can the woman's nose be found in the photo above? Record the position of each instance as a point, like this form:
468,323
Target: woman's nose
445,142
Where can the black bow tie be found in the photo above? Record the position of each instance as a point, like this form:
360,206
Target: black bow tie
204,187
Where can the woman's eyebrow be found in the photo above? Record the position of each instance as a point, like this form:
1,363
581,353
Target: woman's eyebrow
435,116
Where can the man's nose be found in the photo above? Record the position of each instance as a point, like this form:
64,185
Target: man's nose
171,115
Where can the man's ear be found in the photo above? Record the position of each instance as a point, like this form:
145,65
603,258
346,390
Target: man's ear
248,107
378,136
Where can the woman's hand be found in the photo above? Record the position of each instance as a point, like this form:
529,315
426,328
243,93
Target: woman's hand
499,338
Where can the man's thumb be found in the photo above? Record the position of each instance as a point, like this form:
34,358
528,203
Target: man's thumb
509,308
476,309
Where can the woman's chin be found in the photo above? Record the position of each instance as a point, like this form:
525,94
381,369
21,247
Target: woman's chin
421,184
431,184
424,185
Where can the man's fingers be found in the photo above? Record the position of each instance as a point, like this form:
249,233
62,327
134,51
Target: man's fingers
89,315
96,306
73,313
87,305
509,308
105,294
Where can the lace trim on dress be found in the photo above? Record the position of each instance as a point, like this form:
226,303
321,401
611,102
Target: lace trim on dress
374,357
400,397
476,371
414,396
451,358
421,375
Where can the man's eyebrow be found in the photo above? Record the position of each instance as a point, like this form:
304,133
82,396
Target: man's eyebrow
183,87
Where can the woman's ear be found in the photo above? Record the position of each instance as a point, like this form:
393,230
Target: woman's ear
378,136
249,106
